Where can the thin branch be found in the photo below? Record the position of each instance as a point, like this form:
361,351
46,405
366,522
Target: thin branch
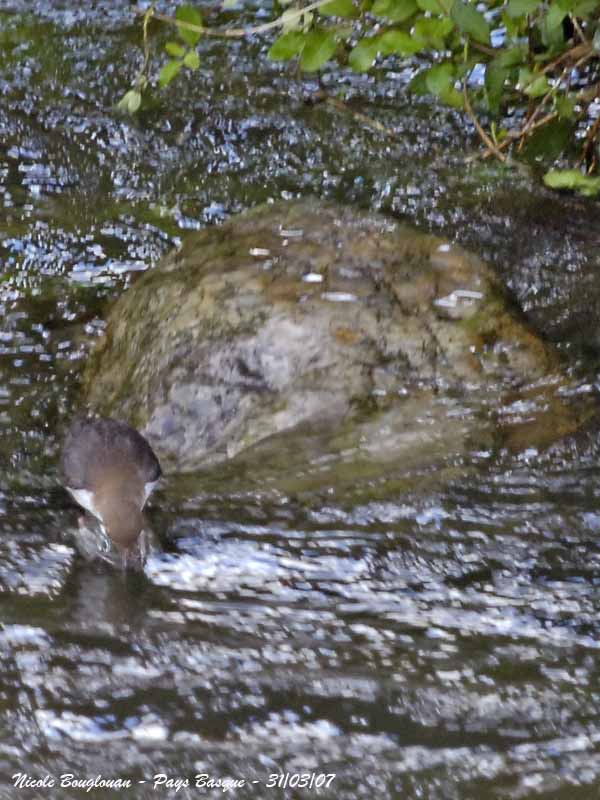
339,105
589,143
578,29
239,33
484,48
529,125
512,136
575,53
589,94
491,146
534,115
577,56
147,16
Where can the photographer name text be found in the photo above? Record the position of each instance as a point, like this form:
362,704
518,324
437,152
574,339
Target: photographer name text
202,780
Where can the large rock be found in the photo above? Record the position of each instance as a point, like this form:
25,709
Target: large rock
304,313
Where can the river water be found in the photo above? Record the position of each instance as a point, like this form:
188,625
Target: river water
413,631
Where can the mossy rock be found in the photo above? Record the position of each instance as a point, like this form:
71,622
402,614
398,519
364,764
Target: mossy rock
305,314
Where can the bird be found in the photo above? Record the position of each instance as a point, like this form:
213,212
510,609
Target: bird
110,470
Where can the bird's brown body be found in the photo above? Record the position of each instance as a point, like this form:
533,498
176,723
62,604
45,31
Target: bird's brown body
110,470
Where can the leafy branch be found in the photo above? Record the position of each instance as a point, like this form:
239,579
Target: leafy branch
517,68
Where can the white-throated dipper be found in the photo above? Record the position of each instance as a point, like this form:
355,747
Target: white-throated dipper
110,470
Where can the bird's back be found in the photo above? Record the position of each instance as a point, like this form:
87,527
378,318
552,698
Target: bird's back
95,447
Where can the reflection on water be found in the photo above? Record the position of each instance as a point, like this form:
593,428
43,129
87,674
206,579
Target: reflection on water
434,643
417,627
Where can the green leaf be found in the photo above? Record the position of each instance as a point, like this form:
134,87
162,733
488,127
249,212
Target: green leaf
515,27
395,10
565,105
453,98
288,45
499,70
418,84
584,8
495,77
531,84
344,32
440,80
513,57
549,141
130,102
339,8
433,31
168,72
434,6
174,49
191,59
553,37
519,8
319,46
291,22
538,88
555,16
471,21
193,16
399,43
363,55
572,179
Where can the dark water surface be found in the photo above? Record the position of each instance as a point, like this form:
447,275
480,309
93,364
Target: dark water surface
420,632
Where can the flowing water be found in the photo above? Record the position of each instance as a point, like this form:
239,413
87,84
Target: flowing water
413,631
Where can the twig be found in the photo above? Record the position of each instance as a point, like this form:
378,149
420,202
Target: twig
484,48
589,142
511,136
491,146
239,33
534,115
147,17
552,91
577,27
576,52
584,97
339,105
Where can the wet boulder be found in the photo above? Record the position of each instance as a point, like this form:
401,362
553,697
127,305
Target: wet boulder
304,314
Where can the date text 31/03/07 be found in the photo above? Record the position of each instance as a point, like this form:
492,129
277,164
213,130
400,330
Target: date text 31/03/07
275,780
